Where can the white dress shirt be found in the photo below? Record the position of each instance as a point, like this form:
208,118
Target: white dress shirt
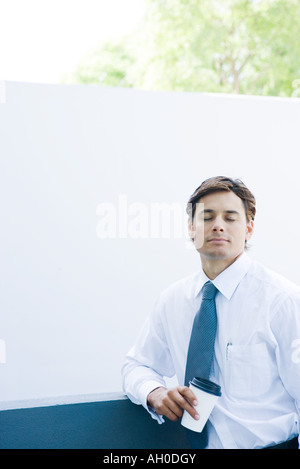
257,353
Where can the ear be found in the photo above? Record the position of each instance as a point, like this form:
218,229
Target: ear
249,230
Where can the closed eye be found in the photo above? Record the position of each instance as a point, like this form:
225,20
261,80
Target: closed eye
227,219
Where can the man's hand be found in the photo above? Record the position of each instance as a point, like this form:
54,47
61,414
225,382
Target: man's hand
171,402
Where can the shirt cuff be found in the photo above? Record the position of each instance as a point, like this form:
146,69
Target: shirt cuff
144,391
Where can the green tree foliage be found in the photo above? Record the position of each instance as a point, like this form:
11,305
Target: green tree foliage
220,46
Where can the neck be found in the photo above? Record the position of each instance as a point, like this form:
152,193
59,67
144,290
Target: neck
213,267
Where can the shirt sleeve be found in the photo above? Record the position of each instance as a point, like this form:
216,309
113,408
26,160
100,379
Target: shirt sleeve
286,329
148,361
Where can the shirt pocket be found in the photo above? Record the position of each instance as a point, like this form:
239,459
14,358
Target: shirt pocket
248,373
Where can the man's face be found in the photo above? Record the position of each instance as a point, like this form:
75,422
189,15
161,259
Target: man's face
220,227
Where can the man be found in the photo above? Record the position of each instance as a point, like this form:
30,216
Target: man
255,359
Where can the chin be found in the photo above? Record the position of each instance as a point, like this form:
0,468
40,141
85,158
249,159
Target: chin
216,254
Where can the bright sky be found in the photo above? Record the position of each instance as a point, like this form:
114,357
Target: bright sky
43,40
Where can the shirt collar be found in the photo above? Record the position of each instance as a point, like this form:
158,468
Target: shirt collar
227,281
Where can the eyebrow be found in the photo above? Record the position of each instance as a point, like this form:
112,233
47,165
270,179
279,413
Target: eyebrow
235,212
208,210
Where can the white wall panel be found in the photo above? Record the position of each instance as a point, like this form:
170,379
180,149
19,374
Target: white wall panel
71,303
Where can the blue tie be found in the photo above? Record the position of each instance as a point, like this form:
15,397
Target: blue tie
201,350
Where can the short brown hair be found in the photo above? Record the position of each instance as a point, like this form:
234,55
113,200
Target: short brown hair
222,183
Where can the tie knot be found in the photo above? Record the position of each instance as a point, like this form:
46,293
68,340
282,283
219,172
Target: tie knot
209,291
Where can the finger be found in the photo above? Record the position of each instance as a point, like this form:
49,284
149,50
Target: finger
190,409
187,401
188,394
169,404
172,415
170,410
175,408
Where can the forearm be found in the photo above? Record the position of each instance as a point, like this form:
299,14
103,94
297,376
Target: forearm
148,361
139,381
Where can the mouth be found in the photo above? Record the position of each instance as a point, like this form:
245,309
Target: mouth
218,240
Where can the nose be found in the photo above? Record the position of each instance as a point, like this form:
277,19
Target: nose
218,226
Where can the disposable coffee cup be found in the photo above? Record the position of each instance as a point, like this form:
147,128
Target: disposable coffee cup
207,394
